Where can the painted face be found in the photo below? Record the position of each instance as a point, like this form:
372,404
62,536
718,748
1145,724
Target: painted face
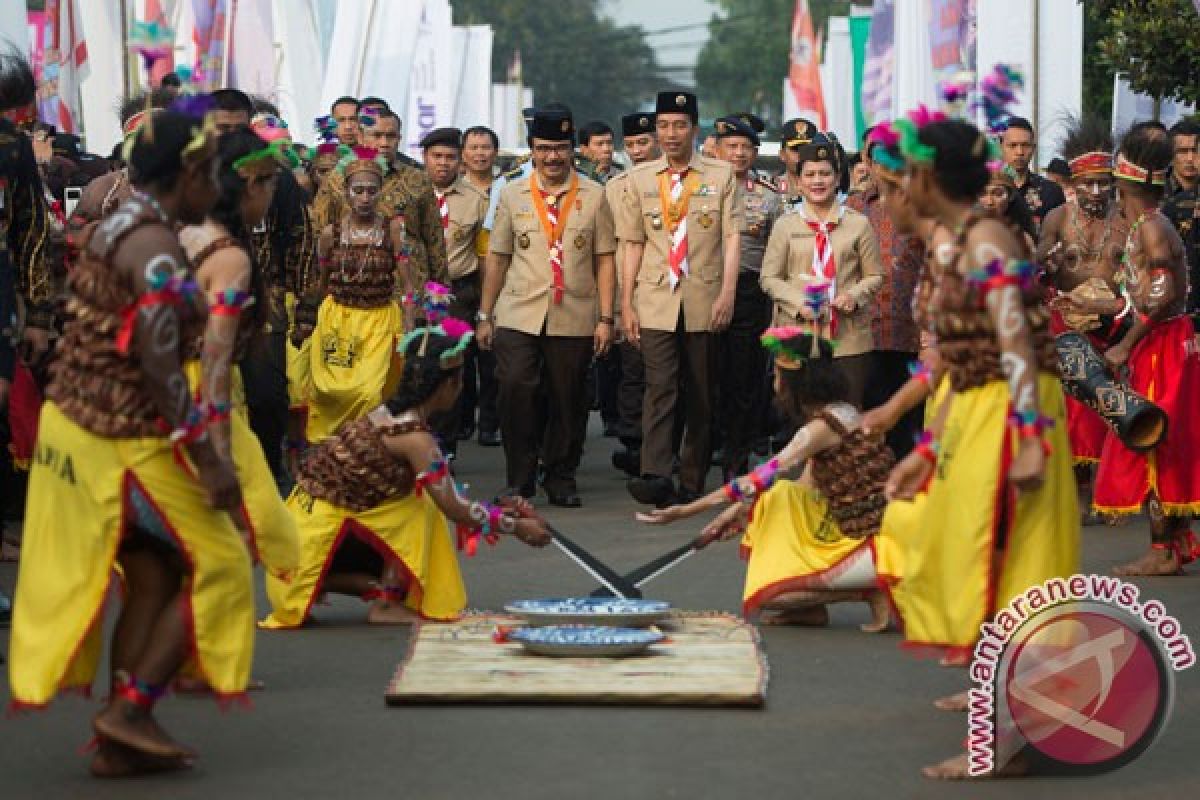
363,190
994,200
1093,193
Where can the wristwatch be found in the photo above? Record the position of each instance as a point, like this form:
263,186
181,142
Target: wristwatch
483,316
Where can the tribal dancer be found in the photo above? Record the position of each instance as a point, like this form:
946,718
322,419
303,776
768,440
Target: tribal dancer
968,545
352,351
1080,248
125,472
809,541
1162,364
219,249
372,502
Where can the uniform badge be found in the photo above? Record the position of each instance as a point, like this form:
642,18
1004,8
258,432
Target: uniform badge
680,100
656,222
580,241
706,220
552,200
460,235
523,241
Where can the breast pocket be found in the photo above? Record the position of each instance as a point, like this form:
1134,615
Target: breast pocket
578,264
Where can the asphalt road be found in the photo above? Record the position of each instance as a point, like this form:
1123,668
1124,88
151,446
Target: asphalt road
848,715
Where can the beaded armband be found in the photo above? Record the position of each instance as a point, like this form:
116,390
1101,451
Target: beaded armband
999,274
140,693
761,479
438,471
927,447
920,371
230,303
164,290
1031,425
490,521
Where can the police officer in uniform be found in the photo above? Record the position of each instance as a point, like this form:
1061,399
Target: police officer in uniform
547,309
743,395
681,224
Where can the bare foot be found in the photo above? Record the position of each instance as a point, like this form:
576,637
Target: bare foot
113,760
956,769
125,723
1156,562
880,613
381,614
810,617
953,702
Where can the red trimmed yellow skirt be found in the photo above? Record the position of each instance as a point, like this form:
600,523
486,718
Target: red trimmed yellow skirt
353,365
84,491
408,531
1163,367
969,544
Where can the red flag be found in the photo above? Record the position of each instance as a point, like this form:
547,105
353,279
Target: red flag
804,73
68,40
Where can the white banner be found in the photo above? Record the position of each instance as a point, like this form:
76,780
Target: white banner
430,92
837,83
102,90
371,51
301,66
254,59
471,71
508,100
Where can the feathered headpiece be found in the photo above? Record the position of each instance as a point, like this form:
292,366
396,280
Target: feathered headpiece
267,160
450,327
326,128
775,340
152,41
361,159
997,92
437,302
270,127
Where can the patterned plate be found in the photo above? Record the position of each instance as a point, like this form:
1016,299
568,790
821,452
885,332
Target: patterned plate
586,640
590,611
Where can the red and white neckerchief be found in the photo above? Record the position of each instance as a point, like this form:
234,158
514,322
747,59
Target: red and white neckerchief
443,209
553,212
679,242
824,265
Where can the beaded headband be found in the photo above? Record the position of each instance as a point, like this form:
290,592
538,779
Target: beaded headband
1126,170
1093,163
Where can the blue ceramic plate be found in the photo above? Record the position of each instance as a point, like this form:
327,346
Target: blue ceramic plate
586,640
590,611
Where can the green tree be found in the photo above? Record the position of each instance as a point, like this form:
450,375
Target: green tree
1154,43
570,54
743,65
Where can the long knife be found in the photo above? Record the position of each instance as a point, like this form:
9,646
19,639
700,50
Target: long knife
614,583
652,569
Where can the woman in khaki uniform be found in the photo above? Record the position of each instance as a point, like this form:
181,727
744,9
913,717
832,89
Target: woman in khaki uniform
822,264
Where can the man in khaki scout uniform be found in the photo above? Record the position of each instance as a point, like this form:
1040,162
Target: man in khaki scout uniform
743,389
547,308
461,208
681,225
641,145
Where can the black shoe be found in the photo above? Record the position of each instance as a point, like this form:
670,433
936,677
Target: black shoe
490,439
465,432
568,499
718,457
628,461
652,490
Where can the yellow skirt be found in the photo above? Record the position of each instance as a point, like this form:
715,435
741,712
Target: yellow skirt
408,531
353,364
299,378
968,545
82,494
794,544
271,527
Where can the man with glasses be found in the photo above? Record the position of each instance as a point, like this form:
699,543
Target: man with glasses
547,309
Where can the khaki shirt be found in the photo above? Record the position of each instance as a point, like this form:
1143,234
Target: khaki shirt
407,192
788,268
526,301
713,210
761,206
466,206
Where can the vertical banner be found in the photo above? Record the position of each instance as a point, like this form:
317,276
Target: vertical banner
837,73
158,12
210,20
860,29
877,94
804,71
253,57
430,95
301,66
66,62
472,59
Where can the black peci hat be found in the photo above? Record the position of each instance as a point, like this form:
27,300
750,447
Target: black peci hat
553,126
451,137
637,124
751,119
678,103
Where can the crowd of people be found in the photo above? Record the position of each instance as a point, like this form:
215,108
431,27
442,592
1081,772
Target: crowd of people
238,349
